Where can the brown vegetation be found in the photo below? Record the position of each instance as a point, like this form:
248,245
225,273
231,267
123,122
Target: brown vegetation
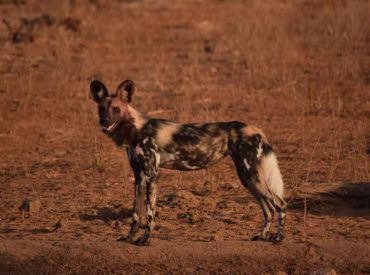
300,70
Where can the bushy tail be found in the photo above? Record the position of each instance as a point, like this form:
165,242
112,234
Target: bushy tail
273,176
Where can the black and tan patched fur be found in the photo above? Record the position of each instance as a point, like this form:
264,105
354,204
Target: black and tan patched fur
152,144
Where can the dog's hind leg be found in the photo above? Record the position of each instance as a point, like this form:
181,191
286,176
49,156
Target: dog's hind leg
271,173
280,233
257,169
251,180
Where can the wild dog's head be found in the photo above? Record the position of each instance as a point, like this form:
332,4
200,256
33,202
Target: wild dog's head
113,109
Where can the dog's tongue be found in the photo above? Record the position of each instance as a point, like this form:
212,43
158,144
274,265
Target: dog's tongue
110,128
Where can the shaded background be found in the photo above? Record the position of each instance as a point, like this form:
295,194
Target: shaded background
300,70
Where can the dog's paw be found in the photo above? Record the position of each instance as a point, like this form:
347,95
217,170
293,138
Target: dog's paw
125,239
267,237
276,238
121,239
142,241
256,238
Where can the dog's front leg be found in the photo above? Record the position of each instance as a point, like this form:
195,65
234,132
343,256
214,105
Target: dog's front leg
138,201
150,174
136,158
151,197
144,161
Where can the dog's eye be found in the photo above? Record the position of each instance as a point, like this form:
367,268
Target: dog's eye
116,109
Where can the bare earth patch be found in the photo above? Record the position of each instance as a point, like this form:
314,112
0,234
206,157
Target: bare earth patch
297,69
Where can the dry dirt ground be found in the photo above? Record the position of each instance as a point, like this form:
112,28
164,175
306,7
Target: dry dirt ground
300,70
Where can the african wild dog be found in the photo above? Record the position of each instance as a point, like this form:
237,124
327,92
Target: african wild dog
158,143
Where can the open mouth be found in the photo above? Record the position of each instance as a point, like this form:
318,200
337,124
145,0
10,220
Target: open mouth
110,128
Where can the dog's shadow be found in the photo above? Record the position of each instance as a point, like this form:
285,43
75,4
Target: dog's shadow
343,199
107,214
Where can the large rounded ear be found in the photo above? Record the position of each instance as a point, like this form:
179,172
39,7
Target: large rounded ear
126,90
98,90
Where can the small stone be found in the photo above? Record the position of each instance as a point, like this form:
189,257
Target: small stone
209,46
330,271
326,271
98,222
215,237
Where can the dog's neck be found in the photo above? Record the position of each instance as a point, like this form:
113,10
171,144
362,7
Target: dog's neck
128,131
139,119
